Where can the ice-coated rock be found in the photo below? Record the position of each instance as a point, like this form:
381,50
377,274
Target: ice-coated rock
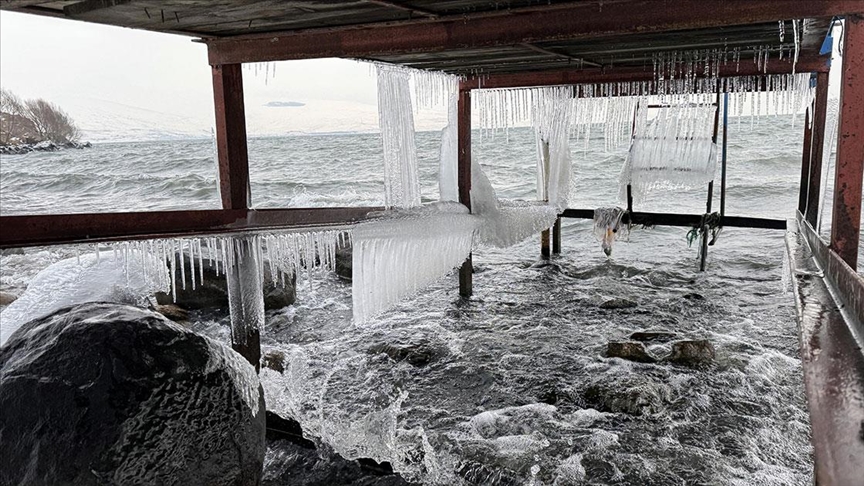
112,394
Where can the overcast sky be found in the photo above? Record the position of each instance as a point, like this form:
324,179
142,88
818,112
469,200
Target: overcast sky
66,62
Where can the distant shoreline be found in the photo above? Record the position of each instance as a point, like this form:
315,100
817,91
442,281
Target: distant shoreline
45,146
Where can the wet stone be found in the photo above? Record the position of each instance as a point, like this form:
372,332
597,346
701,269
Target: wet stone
629,350
111,394
694,296
7,298
344,262
618,304
634,398
173,312
693,353
417,355
275,360
280,428
653,336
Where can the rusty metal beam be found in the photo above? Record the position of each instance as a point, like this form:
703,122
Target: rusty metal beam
580,61
846,219
572,20
231,136
820,110
463,129
829,299
589,76
55,229
405,8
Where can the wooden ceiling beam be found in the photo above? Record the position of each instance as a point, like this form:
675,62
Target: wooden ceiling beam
577,20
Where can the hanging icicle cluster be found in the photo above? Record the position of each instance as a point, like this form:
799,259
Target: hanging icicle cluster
673,150
396,119
551,117
399,254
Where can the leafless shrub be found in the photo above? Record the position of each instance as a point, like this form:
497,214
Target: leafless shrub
33,121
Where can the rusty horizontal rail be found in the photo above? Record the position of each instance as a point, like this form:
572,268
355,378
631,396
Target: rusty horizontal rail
828,299
572,20
629,74
55,229
676,219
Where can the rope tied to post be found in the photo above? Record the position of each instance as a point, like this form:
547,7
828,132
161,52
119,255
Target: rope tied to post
710,222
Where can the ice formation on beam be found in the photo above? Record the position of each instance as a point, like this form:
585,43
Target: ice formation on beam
448,167
551,120
403,251
396,120
505,223
608,227
673,150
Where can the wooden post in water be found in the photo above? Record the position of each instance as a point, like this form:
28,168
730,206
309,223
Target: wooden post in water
817,144
556,237
544,167
466,271
244,276
846,217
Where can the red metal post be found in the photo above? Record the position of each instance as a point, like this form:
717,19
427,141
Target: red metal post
846,220
817,147
231,136
805,164
245,296
466,272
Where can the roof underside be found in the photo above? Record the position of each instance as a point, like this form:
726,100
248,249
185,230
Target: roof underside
250,18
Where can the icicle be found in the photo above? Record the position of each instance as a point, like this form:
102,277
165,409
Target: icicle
401,180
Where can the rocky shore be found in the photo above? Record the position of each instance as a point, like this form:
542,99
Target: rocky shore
46,146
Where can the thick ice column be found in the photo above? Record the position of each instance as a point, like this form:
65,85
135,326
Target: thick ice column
246,298
245,292
543,190
396,119
448,170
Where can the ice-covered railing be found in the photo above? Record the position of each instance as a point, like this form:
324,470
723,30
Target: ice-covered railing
401,252
673,150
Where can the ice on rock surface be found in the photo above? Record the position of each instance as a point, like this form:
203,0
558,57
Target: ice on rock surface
97,278
403,251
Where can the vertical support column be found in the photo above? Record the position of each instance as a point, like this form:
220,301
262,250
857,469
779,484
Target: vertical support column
846,219
817,144
466,271
544,193
556,237
245,295
246,299
805,165
231,136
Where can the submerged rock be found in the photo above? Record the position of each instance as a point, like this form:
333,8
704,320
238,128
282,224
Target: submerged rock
112,394
631,351
618,304
415,354
275,360
212,292
7,298
279,428
694,353
653,336
344,262
633,398
173,312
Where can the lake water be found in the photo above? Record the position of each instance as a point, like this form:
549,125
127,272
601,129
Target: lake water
513,386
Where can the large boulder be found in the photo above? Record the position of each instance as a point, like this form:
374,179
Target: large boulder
212,292
111,394
633,396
